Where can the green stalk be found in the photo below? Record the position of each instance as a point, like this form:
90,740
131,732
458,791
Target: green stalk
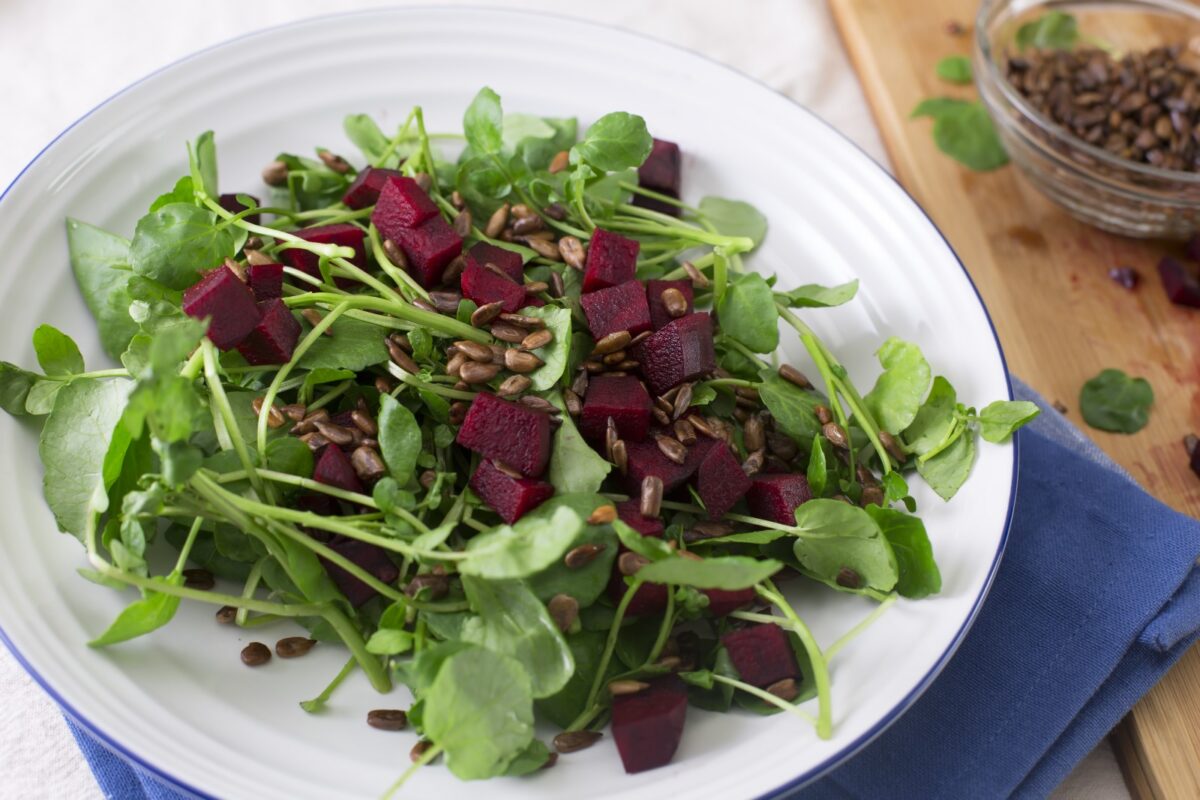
186,550
778,702
664,630
662,198
820,667
415,382
373,666
318,702
849,635
221,402
429,755
394,142
435,322
610,644
304,483
248,590
402,279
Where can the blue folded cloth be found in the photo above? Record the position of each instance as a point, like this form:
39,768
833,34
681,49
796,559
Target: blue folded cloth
1096,598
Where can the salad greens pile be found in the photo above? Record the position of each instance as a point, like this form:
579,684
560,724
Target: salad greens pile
490,625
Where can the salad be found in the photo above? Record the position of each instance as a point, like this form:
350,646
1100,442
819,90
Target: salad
511,428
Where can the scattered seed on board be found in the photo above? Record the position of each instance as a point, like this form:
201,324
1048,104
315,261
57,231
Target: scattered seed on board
674,302
275,174
538,339
652,493
335,162
603,515
387,719
574,741
198,579
698,278
626,687
572,252
564,610
620,456
294,646
617,340
795,376
255,654
560,161
395,254
226,615
581,556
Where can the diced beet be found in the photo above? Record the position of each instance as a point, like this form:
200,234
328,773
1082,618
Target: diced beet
617,308
648,725
333,468
761,654
658,310
317,503
483,253
611,259
367,185
630,512
429,249
221,296
1182,287
650,598
230,203
484,286
699,451
660,172
681,351
266,280
372,558
776,497
722,601
644,459
274,337
509,497
720,481
343,234
401,204
517,435
621,397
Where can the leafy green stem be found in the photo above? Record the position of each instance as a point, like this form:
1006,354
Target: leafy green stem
610,645
318,702
820,667
429,755
866,622
221,401
778,702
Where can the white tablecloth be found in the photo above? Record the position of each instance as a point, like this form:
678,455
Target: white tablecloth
60,58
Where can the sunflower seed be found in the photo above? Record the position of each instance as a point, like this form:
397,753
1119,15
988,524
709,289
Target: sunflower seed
475,351
612,359
593,366
698,278
486,313
683,400
572,252
335,433
674,302
620,456
365,422
603,515
315,441
652,493
626,687
795,376
472,372
555,211
846,577
753,463
418,750
513,385
275,174
496,222
560,162
255,654
836,435
537,339
581,556
367,464
557,287
539,404
335,162
424,305
507,332
293,646
547,250
564,610
617,340
198,579
257,258
671,448
453,271
893,446
395,254
424,181
387,719
236,268
431,585
574,741
226,614
572,402
524,321
314,318
580,385
427,479
400,358
530,223
507,470
753,435
521,361
785,689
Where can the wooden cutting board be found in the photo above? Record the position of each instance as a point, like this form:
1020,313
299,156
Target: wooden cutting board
1061,320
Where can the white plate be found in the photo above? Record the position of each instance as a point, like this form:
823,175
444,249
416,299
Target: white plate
179,701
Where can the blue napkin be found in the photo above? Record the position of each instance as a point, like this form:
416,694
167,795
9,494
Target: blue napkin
1096,598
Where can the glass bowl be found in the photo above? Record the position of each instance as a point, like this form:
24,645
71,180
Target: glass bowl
1098,187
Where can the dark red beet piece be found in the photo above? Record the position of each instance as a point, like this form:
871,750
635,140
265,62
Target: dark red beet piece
370,557
1183,289
266,281
699,451
611,259
644,458
761,654
651,598
230,203
648,725
1127,277
333,468
429,249
367,185
401,204
681,351
229,303
660,172
722,602
617,308
343,234
514,434
776,497
274,337
483,253
621,397
317,503
509,497
630,512
658,311
484,286
720,481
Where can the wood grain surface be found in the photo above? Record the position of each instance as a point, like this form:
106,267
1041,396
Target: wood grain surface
1044,277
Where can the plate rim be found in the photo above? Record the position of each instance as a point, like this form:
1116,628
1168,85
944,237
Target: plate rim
812,774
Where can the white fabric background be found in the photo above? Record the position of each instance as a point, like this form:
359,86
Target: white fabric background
61,58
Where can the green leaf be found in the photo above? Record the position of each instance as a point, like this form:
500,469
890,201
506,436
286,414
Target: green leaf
516,551
202,158
964,131
726,572
182,192
399,438
310,183
289,454
141,617
204,553
935,107
760,537
354,345
614,142
1000,419
735,218
420,673
955,69
792,407
366,136
1054,30
1113,401
818,472
513,622
483,123
898,392
569,702
650,547
587,583
100,261
516,128
918,572
813,295
175,244
479,710
948,470
389,642
934,420
528,761
558,321
321,376
748,314
56,352
15,384
574,466
833,535
42,394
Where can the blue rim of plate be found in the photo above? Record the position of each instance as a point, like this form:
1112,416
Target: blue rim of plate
796,783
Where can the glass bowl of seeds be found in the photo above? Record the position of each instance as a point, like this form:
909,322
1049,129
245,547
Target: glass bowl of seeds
1098,104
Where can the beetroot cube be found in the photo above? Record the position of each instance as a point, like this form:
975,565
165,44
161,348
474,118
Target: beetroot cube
372,558
630,512
483,253
429,249
367,185
221,296
343,234
317,503
517,435
401,204
699,451
1182,287
648,725
722,602
644,459
650,598
274,337
658,310
333,468
484,286
266,281
618,308
611,259
776,497
720,481
660,172
621,397
681,351
509,497
230,203
761,654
